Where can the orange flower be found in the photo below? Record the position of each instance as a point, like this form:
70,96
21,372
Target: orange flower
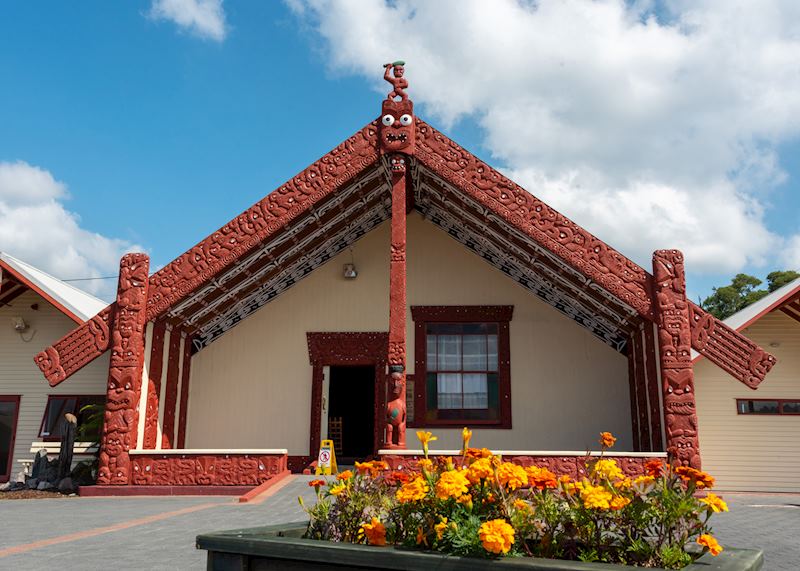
375,532
413,491
654,467
398,477
607,439
452,484
346,475
708,541
439,528
466,436
465,500
698,477
480,470
425,464
522,505
715,503
542,478
316,483
511,476
478,453
497,536
619,502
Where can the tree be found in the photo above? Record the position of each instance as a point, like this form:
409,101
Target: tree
727,300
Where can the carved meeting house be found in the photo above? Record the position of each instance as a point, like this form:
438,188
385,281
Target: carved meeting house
398,283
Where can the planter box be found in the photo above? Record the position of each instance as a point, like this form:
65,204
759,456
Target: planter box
283,547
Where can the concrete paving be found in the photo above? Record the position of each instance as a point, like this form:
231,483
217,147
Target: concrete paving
158,533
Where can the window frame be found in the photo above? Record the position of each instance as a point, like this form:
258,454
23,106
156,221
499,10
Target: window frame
17,399
75,412
495,314
780,407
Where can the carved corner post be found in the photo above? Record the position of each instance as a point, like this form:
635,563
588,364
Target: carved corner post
674,349
125,371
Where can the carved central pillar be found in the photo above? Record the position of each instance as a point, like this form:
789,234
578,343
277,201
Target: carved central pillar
675,356
125,371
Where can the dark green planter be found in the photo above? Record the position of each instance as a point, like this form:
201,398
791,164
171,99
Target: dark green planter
283,547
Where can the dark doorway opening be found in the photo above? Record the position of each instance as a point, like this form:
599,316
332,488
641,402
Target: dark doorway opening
352,411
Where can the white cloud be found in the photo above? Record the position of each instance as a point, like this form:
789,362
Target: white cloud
791,254
36,228
204,18
652,130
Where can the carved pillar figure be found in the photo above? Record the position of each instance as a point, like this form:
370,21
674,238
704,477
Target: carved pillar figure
674,349
396,405
125,371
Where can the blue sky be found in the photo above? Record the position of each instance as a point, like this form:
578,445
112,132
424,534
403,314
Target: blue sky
149,132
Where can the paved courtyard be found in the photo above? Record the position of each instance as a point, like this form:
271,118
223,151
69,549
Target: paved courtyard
158,533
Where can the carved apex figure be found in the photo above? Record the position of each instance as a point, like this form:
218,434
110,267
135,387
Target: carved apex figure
396,409
397,132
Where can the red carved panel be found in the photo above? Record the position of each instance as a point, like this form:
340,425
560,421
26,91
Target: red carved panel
652,387
632,388
171,390
184,396
154,385
125,371
675,347
640,378
206,470
728,349
78,348
325,349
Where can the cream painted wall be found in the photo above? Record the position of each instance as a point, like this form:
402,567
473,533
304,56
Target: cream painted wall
252,387
753,452
19,375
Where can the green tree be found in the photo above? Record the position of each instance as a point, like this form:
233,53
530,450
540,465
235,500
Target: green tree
779,279
742,291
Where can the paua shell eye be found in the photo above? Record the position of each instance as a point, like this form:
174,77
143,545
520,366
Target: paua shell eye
406,120
388,120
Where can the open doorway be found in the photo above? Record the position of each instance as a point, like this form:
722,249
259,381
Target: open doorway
351,413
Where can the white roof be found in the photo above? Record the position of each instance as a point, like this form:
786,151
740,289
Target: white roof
65,296
746,316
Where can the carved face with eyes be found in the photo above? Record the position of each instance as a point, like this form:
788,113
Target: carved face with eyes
397,126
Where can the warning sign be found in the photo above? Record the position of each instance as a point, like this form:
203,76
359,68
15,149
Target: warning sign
326,461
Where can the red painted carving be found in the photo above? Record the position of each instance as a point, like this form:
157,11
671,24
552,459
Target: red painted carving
125,371
640,377
79,347
206,470
184,396
634,402
396,79
674,340
326,349
171,391
652,387
154,385
396,412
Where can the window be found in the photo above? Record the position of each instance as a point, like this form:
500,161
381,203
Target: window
765,406
462,370
58,406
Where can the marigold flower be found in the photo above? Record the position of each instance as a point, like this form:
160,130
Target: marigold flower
480,470
452,484
608,469
708,541
654,467
316,483
425,464
338,489
522,505
412,491
623,484
425,437
497,536
511,476
715,503
375,532
607,439
542,478
595,497
373,468
698,477
398,477
466,436
619,502
478,453
439,528
644,480
346,475
465,500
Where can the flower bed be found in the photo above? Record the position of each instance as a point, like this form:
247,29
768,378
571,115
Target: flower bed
477,505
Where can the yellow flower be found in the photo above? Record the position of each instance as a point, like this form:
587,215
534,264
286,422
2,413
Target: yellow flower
607,439
466,436
497,536
452,484
337,489
439,528
596,497
375,532
618,503
607,469
708,541
623,484
412,491
425,464
522,505
511,476
480,470
346,475
478,453
466,500
644,481
425,437
715,503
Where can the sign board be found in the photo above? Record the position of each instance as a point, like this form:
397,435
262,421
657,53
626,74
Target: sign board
326,461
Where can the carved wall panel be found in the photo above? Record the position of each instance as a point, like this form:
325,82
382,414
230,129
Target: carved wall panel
205,470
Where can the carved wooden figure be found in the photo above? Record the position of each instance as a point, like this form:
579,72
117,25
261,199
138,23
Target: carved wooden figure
125,371
396,411
675,347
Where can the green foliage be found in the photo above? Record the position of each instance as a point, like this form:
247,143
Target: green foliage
91,425
742,291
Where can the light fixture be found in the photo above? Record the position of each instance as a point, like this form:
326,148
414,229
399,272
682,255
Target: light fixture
19,324
350,272
775,344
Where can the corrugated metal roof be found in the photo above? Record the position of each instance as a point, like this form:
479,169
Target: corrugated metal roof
65,296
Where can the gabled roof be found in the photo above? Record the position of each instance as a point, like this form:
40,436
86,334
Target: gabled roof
784,295
329,205
73,302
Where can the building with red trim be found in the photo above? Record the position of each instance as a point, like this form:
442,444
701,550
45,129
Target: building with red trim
399,282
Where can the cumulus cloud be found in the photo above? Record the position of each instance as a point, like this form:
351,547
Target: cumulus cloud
36,227
652,128
791,254
203,18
